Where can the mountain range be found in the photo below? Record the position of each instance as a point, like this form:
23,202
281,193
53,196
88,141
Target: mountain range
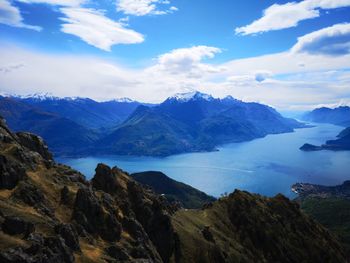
186,122
50,213
338,116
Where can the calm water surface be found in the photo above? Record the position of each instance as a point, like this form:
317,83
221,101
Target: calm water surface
267,166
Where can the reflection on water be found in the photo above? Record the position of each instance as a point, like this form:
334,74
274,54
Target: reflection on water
266,166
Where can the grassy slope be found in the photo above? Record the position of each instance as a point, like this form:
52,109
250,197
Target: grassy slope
333,213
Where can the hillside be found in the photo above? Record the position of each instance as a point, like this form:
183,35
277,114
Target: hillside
51,213
83,111
338,116
63,135
187,196
340,144
329,205
193,122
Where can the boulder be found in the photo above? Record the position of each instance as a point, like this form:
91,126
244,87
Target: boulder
69,234
16,226
91,215
35,144
11,173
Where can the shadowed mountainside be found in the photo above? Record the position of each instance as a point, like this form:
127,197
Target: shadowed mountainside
187,196
338,116
329,205
191,123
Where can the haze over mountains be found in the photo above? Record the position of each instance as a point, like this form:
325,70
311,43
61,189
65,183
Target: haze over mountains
338,116
186,122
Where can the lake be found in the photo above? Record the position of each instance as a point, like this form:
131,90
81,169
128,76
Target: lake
266,166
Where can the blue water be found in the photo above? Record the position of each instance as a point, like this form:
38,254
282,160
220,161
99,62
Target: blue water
266,166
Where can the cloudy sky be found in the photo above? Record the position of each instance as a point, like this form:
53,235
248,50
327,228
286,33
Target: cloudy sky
291,55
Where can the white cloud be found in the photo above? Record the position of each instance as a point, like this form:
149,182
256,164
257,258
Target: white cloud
143,7
289,15
334,40
289,80
188,61
55,2
11,16
93,27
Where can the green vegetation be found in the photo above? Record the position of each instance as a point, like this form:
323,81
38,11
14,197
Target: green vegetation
333,213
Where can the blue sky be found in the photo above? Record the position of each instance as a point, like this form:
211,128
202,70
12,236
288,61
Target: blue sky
150,49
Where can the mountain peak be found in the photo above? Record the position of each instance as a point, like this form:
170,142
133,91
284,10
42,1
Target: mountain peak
126,100
193,95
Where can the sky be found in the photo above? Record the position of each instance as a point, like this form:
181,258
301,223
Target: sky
292,55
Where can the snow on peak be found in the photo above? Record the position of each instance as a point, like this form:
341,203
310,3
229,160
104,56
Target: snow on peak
193,95
37,96
126,100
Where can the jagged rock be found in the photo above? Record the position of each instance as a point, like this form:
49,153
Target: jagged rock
16,226
56,250
29,194
33,196
154,219
65,195
15,255
11,173
117,253
35,144
133,228
46,250
69,234
207,234
105,178
89,213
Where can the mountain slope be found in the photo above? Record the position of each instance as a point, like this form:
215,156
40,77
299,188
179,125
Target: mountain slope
329,205
83,111
62,135
186,195
193,122
50,213
340,144
338,116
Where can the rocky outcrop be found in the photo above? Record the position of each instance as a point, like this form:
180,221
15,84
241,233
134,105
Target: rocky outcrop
17,226
11,172
35,144
105,178
94,217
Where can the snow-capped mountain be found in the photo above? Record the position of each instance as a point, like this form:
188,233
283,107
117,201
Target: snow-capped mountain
124,100
193,95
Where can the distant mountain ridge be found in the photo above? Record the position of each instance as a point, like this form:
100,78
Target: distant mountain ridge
186,122
338,116
192,122
342,143
83,111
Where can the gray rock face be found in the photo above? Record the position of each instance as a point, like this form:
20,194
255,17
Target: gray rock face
11,172
104,179
35,144
16,226
43,250
69,234
90,214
